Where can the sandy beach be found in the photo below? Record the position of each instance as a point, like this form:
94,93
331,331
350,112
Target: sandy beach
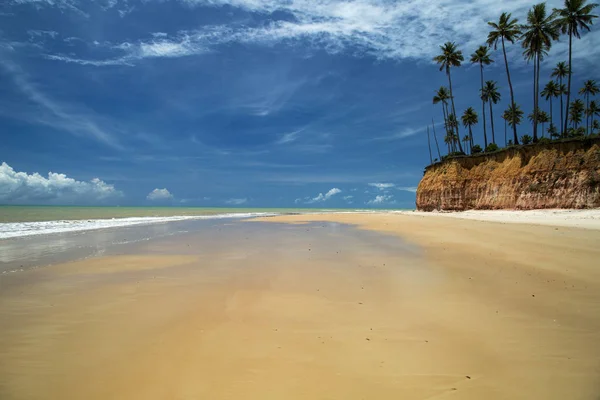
330,306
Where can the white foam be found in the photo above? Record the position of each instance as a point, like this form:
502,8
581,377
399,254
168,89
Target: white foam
20,229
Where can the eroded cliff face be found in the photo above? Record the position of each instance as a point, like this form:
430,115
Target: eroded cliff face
554,175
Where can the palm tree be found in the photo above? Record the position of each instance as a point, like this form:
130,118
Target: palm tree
436,141
592,110
550,90
449,140
468,140
482,56
595,126
506,29
453,131
561,71
505,117
537,38
514,115
469,118
589,88
441,96
491,95
450,57
576,112
543,118
575,15
532,116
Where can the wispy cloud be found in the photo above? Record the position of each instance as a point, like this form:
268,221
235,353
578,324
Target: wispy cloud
55,114
411,189
382,186
236,201
379,28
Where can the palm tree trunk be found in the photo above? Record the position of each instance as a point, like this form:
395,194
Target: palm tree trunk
436,142
512,96
542,129
492,123
569,81
534,98
551,119
454,109
471,139
562,122
482,109
587,117
537,99
429,146
505,138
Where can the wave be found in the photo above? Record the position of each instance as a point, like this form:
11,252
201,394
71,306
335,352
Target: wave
21,229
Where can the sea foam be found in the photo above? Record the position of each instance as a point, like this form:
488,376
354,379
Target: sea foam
20,229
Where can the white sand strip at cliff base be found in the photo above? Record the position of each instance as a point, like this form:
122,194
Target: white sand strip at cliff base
588,219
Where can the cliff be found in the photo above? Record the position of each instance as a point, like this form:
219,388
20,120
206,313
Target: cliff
562,174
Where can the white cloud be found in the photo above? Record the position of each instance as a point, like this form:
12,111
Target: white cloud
348,199
21,187
410,29
323,197
159,194
236,202
411,189
381,199
382,186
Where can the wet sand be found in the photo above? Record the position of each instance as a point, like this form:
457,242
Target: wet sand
405,307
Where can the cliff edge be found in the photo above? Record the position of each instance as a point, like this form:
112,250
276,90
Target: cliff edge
562,174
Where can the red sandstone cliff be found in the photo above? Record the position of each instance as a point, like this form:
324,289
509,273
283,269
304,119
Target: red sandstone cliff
554,175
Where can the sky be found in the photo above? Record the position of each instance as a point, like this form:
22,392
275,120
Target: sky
241,103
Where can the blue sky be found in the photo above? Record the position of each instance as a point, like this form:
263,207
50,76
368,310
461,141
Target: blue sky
282,103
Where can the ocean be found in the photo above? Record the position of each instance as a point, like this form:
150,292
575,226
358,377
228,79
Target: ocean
19,221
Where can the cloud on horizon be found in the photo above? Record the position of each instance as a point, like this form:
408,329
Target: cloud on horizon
159,195
236,201
381,200
24,188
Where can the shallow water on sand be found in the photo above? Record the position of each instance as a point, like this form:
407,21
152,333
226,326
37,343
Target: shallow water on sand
213,310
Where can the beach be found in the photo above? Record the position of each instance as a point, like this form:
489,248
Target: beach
314,306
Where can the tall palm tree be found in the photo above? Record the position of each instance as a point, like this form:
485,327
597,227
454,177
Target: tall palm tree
543,118
491,95
468,140
514,115
592,110
450,57
505,117
561,71
550,91
453,131
506,29
538,34
482,57
441,96
576,15
576,112
590,88
532,117
429,146
436,141
470,118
